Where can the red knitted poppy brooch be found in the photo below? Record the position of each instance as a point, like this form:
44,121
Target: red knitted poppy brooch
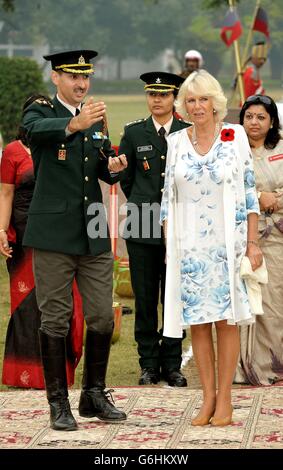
227,135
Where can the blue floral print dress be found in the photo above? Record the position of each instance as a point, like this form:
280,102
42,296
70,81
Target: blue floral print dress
196,189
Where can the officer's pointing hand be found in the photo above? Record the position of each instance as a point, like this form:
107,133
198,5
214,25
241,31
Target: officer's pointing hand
117,164
91,113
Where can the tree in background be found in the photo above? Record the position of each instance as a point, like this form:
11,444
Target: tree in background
118,28
19,79
7,5
274,10
138,28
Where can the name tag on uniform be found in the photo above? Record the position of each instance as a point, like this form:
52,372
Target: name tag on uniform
273,158
62,154
144,148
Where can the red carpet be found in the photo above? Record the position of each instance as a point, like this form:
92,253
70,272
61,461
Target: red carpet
158,418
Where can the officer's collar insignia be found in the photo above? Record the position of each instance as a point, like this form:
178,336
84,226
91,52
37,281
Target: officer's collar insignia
81,60
158,80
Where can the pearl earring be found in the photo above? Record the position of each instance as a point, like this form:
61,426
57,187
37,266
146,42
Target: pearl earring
214,111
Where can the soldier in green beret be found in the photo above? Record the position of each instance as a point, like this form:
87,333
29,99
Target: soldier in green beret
144,144
68,230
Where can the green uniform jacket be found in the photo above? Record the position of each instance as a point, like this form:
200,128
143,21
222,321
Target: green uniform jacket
67,170
143,180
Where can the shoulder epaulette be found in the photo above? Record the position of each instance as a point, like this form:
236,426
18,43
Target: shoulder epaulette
44,102
132,123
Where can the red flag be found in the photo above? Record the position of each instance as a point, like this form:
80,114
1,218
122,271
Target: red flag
261,22
231,24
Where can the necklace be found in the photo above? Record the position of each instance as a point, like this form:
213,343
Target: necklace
195,141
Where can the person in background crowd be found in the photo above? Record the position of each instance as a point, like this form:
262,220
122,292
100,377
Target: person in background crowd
251,78
145,147
193,62
261,352
209,210
22,364
68,231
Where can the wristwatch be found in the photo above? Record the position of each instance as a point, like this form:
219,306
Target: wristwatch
258,195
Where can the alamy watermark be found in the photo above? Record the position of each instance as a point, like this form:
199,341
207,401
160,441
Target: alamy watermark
139,220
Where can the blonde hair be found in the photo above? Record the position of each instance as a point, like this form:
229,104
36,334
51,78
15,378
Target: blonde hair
203,84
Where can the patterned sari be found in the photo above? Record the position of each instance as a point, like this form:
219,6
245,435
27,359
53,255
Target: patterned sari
261,350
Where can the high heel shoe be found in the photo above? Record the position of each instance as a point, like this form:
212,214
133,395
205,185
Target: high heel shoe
222,421
202,420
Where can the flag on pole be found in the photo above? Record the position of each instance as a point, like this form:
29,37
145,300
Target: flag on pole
232,25
261,22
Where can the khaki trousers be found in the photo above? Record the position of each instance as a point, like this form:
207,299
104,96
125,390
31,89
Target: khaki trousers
54,275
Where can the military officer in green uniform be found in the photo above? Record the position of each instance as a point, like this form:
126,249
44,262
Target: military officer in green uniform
68,230
144,144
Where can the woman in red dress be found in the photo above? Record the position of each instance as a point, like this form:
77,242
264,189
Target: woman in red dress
22,363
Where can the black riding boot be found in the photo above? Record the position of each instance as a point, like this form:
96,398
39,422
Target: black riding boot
94,400
53,356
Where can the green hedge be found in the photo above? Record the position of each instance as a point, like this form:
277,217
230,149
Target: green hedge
19,78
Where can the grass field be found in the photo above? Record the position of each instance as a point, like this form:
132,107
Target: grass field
4,308
121,110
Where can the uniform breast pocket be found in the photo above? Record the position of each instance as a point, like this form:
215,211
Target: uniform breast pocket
147,163
64,152
97,144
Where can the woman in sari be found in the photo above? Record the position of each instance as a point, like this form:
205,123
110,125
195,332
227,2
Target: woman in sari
261,356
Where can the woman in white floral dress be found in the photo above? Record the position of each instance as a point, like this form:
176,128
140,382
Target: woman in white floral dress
209,211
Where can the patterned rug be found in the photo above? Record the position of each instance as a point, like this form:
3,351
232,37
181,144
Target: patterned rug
158,418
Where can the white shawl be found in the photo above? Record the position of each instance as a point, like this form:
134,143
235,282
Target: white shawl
234,193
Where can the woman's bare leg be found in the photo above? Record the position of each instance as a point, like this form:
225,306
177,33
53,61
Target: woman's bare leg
228,348
204,356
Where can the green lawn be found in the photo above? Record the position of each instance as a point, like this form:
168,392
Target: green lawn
4,307
121,110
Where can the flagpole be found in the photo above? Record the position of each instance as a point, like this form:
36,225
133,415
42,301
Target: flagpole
246,51
250,35
238,62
